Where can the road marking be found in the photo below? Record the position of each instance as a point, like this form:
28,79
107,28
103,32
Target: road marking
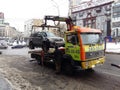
111,74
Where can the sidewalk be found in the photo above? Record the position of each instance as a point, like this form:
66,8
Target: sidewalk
113,48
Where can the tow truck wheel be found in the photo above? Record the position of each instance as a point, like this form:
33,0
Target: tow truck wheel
67,68
90,70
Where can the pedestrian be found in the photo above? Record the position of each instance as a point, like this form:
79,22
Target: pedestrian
58,59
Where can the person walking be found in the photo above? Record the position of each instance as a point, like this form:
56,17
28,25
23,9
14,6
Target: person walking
58,59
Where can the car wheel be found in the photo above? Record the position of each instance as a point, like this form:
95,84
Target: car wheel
31,46
45,47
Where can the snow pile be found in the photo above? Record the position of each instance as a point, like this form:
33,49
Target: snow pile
113,47
22,43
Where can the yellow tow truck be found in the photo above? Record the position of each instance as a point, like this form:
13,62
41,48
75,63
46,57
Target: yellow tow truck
84,47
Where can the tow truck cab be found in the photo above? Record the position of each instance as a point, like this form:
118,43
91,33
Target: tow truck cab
85,46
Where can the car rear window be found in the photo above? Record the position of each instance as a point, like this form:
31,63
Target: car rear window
49,34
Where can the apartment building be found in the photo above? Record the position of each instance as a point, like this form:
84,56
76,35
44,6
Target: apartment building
92,13
28,26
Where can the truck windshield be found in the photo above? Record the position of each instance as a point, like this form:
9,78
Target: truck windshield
91,38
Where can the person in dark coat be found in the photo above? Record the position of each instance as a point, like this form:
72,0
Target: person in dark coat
58,59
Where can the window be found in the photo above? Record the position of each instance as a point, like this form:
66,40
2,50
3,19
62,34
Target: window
90,38
38,34
50,34
44,34
72,38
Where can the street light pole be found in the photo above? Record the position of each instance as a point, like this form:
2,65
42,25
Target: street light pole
57,6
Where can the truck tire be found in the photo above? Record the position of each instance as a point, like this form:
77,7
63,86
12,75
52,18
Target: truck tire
31,46
89,70
67,68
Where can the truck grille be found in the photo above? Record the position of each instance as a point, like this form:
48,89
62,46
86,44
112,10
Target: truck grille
94,54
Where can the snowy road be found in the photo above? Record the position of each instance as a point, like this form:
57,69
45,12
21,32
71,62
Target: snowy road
25,75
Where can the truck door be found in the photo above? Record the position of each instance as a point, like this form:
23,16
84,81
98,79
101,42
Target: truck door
72,46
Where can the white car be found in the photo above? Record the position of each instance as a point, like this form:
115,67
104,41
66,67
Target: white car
3,44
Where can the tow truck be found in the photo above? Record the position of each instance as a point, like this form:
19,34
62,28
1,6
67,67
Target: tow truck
84,47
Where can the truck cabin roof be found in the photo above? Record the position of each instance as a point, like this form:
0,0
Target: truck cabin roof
85,30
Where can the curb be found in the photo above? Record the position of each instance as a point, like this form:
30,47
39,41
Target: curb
112,53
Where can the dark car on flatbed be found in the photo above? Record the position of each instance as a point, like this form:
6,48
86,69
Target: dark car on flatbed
39,39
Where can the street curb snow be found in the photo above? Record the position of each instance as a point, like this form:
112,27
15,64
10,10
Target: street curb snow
112,53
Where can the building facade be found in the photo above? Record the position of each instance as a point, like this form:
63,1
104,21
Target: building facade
2,26
28,29
93,13
115,19
6,31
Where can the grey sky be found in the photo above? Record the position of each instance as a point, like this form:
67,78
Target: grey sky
18,11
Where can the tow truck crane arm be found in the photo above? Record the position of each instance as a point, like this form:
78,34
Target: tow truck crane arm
68,21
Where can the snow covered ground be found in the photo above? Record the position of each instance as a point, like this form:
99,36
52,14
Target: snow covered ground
113,47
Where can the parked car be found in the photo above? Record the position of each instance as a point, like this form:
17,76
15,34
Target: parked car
40,39
17,46
3,44
3,47
10,44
